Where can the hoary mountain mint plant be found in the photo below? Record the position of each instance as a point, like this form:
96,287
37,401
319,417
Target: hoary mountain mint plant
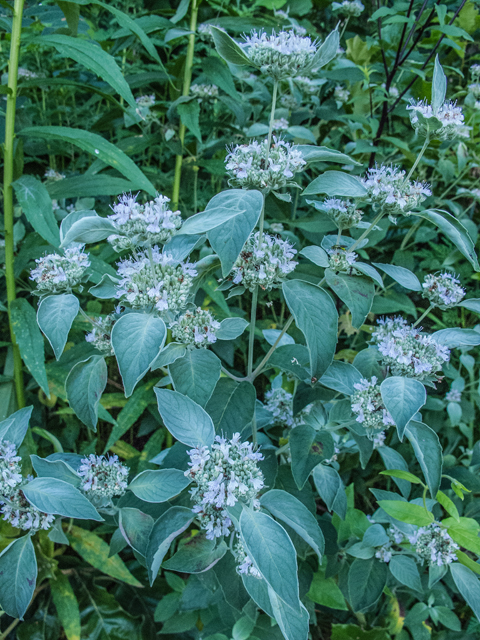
304,402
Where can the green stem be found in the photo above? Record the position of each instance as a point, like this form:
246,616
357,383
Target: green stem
367,231
471,435
343,28
409,234
424,314
251,339
272,118
419,157
187,78
8,157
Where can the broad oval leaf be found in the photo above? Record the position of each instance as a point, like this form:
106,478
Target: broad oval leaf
403,276
468,585
356,292
55,316
196,555
404,569
308,448
159,485
403,398
135,527
336,183
51,495
196,374
232,407
428,452
84,386
456,337
18,572
231,328
14,428
89,229
331,489
407,512
184,418
36,204
366,581
228,49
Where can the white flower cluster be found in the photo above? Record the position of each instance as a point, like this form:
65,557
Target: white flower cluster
389,188
103,477
53,176
281,124
367,403
343,212
475,71
434,545
349,8
442,123
223,474
342,260
204,91
55,273
17,510
341,94
406,351
142,224
266,265
379,440
26,73
283,55
385,552
305,84
101,334
10,467
146,101
280,404
443,290
155,280
244,562
288,101
195,328
249,168
276,227
454,395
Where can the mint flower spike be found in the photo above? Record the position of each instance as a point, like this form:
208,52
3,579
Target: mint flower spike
434,545
223,474
266,265
56,274
10,467
388,188
280,56
371,413
280,404
100,335
341,260
342,212
147,224
443,123
18,511
154,279
204,91
349,8
195,328
103,477
443,290
407,351
251,167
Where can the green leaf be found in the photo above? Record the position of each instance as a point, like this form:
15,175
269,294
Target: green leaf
232,406
336,183
428,452
403,276
196,555
159,485
228,49
90,185
135,527
404,569
366,580
316,255
189,112
55,316
184,418
439,86
316,316
308,448
231,328
14,428
288,509
196,374
455,337
51,495
137,339
30,340
95,551
403,475
472,304
293,624
341,376
171,352
403,398
134,408
18,571
468,585
36,204
394,460
356,292
168,526
84,386
272,552
222,208
65,601
97,146
106,288
89,229
353,632
219,74
327,50
454,231
59,469
312,153
72,16
94,58
448,505
325,591
407,512
330,489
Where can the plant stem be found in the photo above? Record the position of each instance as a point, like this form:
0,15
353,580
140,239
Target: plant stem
187,78
367,231
344,27
8,156
272,118
425,313
410,233
251,339
419,157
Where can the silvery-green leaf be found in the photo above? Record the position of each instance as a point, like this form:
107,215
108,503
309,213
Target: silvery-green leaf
231,407
89,229
106,288
55,316
308,448
84,386
439,86
271,336
293,624
159,485
196,374
14,428
366,581
404,569
55,469
356,292
51,495
403,276
135,527
456,337
342,377
331,489
18,569
428,452
316,255
231,328
403,398
336,183
184,418
168,526
171,352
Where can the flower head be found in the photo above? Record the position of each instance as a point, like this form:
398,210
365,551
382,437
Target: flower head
53,176
155,281
388,187
407,351
195,328
341,260
140,225
433,545
265,265
281,124
100,335
283,55
20,513
341,94
349,8
343,212
454,395
443,290
249,168
475,71
305,84
367,403
204,91
10,467
280,404
441,123
223,474
55,273
103,477
145,101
